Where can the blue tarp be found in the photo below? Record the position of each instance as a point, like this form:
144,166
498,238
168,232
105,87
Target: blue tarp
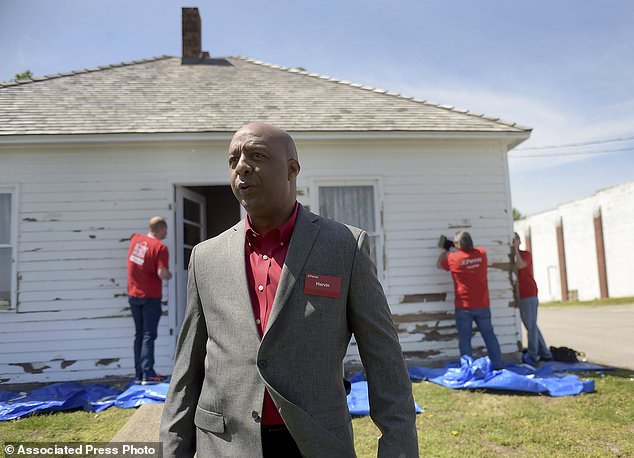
548,379
99,397
6,396
358,403
137,395
472,374
58,396
71,395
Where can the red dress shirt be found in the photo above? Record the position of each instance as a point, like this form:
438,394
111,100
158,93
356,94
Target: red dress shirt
265,255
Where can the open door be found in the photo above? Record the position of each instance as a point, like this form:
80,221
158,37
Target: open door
191,229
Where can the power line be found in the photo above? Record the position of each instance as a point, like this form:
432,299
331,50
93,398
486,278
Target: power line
569,145
578,153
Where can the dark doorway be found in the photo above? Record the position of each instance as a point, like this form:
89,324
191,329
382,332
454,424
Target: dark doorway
223,210
202,212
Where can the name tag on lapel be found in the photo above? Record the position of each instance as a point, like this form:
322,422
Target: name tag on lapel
322,285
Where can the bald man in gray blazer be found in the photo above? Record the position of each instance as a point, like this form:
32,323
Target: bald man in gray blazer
327,290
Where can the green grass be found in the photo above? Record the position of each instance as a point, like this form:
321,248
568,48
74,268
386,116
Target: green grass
77,426
608,301
474,424
456,423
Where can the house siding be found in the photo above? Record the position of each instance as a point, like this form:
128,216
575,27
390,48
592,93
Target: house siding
80,203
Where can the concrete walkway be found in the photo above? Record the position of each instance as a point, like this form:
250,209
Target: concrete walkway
605,333
143,426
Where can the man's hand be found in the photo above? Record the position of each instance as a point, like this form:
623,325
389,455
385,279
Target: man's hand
441,257
164,273
445,243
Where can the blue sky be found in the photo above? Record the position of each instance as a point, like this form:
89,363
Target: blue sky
563,67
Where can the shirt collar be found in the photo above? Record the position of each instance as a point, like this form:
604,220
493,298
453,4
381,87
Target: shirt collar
282,233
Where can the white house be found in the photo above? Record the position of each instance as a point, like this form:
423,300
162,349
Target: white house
580,248
86,157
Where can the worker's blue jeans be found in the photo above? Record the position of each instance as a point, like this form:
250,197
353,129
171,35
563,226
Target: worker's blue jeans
537,348
482,318
146,313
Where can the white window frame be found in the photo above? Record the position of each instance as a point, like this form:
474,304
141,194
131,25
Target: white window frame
13,191
377,185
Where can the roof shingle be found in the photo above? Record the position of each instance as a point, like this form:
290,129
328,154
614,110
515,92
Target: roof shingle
162,95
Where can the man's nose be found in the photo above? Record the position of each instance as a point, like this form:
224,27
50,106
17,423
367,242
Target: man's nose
243,167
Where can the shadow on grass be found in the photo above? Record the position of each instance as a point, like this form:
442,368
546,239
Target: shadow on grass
519,393
616,372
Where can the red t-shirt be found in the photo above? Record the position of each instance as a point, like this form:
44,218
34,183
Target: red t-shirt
528,287
265,256
145,257
469,272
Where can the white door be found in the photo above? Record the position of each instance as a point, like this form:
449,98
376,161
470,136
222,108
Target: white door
191,228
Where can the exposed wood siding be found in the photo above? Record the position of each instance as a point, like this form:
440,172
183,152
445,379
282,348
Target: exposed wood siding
428,190
80,204
78,208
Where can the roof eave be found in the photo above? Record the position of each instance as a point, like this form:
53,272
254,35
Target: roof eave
511,138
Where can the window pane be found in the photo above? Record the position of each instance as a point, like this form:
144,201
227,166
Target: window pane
192,234
5,277
188,254
191,210
5,219
352,205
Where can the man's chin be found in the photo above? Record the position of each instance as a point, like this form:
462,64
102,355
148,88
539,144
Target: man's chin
249,203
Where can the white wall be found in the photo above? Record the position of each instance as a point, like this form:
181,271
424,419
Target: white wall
80,202
617,208
79,205
580,248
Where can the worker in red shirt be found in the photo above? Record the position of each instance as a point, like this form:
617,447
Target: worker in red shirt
147,267
537,348
468,267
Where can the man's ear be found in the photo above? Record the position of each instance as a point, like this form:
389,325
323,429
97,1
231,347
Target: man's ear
293,169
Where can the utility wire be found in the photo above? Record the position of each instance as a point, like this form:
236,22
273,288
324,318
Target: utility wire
578,153
569,145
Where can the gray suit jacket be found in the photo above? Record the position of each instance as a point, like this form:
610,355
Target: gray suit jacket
222,368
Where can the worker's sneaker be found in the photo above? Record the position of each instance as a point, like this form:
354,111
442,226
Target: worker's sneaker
528,359
153,380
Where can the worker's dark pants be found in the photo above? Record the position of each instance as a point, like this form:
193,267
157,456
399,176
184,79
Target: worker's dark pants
146,313
482,318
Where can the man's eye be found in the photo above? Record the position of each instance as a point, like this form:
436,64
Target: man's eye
257,155
233,160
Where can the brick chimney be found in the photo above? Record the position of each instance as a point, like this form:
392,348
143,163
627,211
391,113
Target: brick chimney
192,39
191,35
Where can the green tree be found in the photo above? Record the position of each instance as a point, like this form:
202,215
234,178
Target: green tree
25,75
517,215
